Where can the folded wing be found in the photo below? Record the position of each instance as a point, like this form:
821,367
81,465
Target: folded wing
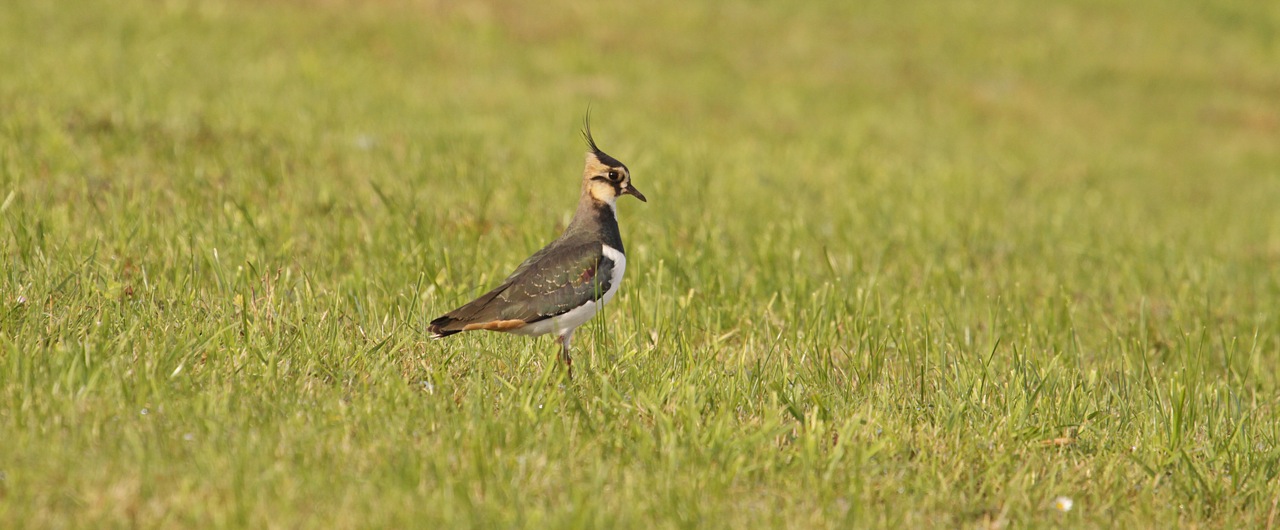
550,283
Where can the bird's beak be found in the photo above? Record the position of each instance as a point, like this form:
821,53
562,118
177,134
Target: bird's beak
632,191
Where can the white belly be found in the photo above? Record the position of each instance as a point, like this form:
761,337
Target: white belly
569,321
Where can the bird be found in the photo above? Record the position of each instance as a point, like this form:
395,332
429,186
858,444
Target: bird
566,283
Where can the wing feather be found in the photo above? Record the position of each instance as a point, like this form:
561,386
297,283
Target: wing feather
550,283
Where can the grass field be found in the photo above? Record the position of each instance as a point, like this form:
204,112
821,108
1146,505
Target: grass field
903,265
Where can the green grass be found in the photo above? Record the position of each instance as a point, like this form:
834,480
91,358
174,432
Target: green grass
893,251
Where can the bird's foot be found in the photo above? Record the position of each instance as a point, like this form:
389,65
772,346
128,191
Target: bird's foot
564,354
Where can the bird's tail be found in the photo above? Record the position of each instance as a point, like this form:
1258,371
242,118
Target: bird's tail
443,327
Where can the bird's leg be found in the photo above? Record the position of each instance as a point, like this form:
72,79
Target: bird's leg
563,340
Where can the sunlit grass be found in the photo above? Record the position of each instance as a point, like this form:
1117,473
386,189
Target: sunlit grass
902,265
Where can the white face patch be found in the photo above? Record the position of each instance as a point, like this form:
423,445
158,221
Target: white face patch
604,193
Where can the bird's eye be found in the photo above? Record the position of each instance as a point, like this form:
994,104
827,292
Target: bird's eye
614,175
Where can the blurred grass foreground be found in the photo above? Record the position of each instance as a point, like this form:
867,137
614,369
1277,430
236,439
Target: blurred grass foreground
904,264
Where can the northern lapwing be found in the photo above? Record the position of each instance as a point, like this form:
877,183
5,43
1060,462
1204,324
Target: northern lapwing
566,283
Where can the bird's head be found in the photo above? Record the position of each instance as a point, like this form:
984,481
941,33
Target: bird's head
605,178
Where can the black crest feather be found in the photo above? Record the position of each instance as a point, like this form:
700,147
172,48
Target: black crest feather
586,131
591,142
